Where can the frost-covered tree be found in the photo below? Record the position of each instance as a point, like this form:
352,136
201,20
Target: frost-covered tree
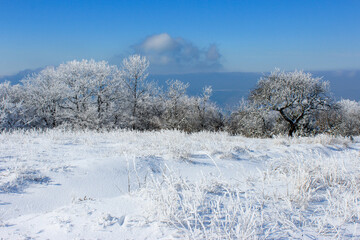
13,113
150,108
203,104
5,104
134,73
189,113
108,93
296,96
209,116
79,93
44,95
202,114
91,90
175,112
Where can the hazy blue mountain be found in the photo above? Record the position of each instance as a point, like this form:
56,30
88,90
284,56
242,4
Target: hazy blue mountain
230,87
16,78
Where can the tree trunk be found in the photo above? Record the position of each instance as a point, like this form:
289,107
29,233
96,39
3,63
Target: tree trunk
292,130
293,124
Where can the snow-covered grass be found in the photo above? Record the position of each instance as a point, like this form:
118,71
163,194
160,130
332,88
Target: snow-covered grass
294,198
173,185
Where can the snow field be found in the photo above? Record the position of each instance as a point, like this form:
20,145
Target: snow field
171,185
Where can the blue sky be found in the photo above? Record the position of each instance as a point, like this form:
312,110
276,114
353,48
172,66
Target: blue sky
183,36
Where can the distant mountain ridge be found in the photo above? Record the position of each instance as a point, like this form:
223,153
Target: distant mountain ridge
230,87
16,78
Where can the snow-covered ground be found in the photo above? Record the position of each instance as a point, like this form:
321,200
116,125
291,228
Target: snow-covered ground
172,185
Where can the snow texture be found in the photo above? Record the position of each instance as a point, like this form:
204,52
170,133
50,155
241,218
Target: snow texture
59,184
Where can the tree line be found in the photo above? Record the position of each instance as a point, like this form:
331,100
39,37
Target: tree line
95,95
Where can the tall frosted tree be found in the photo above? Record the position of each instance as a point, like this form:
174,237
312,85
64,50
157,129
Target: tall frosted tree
92,88
176,107
135,73
45,94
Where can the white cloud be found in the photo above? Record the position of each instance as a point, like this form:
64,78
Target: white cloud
177,55
160,42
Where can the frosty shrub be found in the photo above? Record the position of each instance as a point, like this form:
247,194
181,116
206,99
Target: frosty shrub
250,121
13,112
349,118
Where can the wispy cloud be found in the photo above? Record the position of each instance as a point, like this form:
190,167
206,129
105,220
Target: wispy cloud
177,55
